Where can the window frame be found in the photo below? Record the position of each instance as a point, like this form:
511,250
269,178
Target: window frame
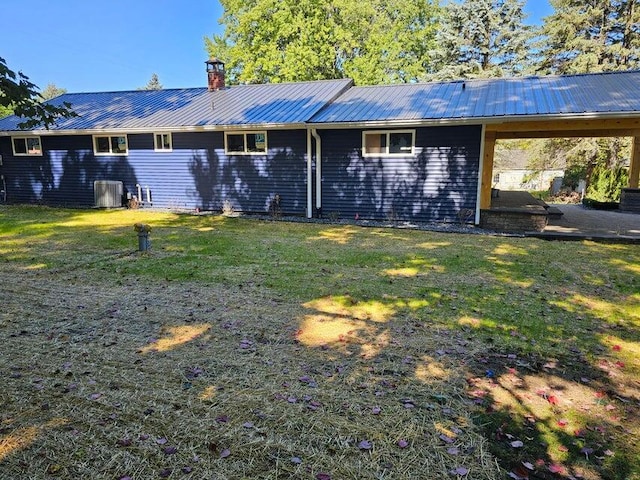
26,138
244,135
160,148
388,134
110,152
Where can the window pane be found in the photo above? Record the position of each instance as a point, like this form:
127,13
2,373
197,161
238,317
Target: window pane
102,145
235,143
375,143
119,144
400,142
163,141
256,142
33,146
20,146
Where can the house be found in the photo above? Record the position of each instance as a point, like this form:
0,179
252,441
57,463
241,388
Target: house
420,152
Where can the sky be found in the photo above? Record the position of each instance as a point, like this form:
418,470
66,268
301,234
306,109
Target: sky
90,46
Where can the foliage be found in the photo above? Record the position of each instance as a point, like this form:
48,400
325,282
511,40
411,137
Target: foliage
21,96
381,41
52,91
482,38
153,83
606,183
591,36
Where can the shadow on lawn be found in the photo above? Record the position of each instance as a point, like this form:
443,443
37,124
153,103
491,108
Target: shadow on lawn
572,414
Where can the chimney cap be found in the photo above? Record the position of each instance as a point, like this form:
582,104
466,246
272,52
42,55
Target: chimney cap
213,60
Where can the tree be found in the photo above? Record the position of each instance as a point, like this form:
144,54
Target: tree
52,91
380,41
482,38
583,36
21,97
153,83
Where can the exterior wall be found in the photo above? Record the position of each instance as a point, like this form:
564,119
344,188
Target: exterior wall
196,174
433,185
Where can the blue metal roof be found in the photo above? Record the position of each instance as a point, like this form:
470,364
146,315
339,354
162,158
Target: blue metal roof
337,101
602,93
242,105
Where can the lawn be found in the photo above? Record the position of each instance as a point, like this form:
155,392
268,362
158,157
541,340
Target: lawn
238,348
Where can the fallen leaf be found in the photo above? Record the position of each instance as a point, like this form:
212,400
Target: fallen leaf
125,442
556,468
225,453
296,460
365,445
323,476
161,441
165,473
616,348
517,444
446,438
552,399
528,465
376,410
222,419
169,450
460,471
609,453
403,443
562,423
453,450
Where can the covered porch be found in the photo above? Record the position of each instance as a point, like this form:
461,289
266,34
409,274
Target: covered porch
519,211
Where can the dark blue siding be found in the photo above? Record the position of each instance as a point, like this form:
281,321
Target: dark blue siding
431,186
196,174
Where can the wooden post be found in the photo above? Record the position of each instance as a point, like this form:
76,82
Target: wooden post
634,168
487,169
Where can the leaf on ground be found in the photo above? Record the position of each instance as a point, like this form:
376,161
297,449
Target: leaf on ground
161,441
616,348
225,453
186,469
376,410
556,468
365,445
453,450
296,460
460,471
528,465
609,453
553,400
517,444
222,419
562,423
95,396
248,425
169,450
445,438
403,443
125,442
165,473
323,476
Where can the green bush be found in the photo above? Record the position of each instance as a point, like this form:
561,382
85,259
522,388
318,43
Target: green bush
606,183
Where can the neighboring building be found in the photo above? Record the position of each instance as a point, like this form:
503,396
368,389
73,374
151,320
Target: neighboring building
412,151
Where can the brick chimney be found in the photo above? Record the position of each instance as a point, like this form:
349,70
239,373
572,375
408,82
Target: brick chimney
215,74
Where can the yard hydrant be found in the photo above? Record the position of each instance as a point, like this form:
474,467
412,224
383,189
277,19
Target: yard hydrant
144,243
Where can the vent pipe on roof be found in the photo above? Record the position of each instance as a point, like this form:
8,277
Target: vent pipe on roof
215,74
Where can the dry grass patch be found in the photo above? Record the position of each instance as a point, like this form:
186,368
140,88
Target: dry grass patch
170,379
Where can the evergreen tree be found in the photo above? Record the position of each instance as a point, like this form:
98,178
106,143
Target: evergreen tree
584,36
52,91
153,83
380,41
482,38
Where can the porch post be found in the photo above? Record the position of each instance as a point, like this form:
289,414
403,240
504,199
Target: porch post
487,169
634,168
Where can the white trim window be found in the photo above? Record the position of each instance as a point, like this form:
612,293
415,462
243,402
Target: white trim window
26,146
245,143
162,142
377,143
110,145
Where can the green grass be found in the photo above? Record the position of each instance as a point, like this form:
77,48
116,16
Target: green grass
520,301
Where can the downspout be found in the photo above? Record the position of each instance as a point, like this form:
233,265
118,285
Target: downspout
314,132
309,176
480,169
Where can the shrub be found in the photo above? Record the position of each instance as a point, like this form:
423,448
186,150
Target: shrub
606,183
